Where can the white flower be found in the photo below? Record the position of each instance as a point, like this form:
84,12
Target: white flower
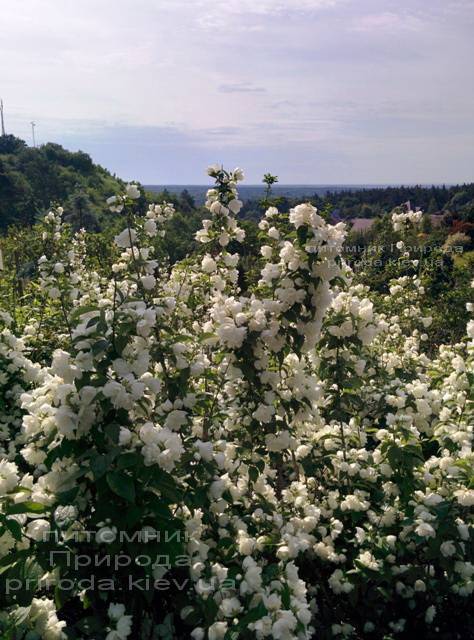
448,548
208,265
116,611
218,209
230,607
61,514
9,477
176,419
465,497
148,282
278,442
235,206
264,413
115,204
224,239
123,623
205,450
354,503
420,585
217,631
150,228
132,191
213,169
43,616
38,530
125,435
368,560
124,627
425,530
231,335
432,499
305,214
126,238
270,212
283,628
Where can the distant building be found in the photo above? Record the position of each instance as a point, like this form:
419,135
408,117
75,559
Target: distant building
437,219
361,225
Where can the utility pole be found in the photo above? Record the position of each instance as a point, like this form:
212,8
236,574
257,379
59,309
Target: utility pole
33,125
2,121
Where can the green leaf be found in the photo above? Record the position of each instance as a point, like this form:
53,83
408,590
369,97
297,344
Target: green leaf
129,459
166,485
113,431
192,617
80,311
253,474
67,497
286,597
260,465
15,528
26,507
134,515
122,485
89,624
100,346
99,466
92,322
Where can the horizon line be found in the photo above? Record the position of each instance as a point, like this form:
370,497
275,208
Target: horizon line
314,184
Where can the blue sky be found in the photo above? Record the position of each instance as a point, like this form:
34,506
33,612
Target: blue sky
316,91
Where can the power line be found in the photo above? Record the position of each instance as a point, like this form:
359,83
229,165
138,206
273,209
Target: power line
1,117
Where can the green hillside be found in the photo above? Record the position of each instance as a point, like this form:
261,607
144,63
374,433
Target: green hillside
33,179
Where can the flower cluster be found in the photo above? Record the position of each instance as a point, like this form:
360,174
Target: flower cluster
282,462
403,219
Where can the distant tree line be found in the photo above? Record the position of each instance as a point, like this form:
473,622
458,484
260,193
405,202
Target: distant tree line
455,201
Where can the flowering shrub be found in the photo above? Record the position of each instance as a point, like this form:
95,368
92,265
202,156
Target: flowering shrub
195,462
403,219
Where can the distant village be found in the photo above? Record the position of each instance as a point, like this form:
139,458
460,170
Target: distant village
362,225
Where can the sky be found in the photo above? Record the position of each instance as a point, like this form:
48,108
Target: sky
314,91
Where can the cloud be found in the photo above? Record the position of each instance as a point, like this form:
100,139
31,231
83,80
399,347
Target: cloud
219,13
387,21
263,7
314,90
240,87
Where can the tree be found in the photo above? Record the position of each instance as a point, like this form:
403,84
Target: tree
34,179
269,180
186,201
79,212
426,226
11,144
432,206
